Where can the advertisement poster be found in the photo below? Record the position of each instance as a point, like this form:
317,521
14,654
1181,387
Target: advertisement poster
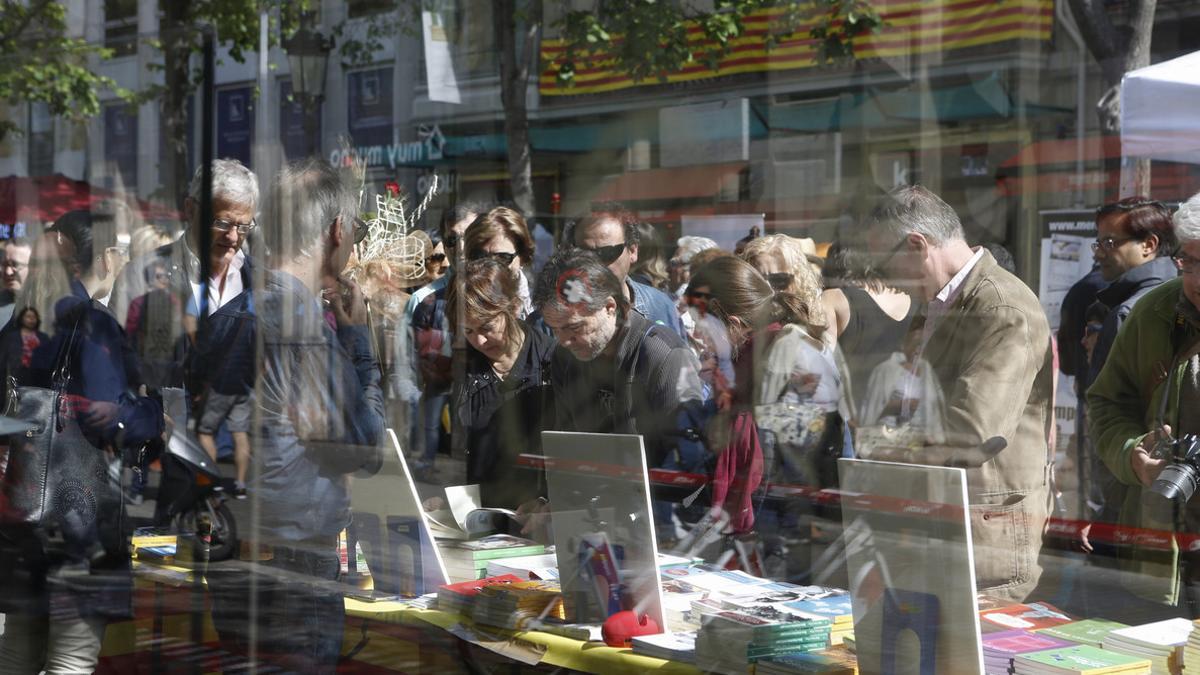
1067,238
439,57
235,123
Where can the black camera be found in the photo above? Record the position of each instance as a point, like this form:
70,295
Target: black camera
1178,480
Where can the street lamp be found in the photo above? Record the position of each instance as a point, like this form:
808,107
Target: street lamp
308,55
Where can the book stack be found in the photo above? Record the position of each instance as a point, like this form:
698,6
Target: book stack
832,661
1162,642
729,641
468,560
999,649
1034,616
1091,632
1191,651
517,606
459,598
670,646
836,608
1080,659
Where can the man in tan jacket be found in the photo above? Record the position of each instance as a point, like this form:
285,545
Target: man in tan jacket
988,342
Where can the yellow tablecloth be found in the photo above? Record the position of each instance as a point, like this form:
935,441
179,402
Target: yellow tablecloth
592,657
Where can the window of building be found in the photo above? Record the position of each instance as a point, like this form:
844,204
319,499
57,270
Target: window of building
120,26
235,123
41,140
370,106
120,144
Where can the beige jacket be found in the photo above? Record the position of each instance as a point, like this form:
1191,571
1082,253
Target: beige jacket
991,353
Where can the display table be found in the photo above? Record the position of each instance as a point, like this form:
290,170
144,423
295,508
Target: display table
372,619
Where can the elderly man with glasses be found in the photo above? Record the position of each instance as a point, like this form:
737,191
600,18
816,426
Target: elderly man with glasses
1147,394
196,335
987,341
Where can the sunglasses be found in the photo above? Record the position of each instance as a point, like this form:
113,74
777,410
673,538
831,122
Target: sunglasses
780,281
607,254
436,258
451,240
360,230
699,295
505,259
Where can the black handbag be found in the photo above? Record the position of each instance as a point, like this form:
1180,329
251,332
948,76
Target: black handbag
56,483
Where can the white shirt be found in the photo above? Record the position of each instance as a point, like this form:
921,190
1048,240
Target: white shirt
938,306
217,297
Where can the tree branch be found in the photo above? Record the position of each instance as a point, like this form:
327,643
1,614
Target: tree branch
32,11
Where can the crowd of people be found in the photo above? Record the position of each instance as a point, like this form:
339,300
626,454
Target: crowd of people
753,367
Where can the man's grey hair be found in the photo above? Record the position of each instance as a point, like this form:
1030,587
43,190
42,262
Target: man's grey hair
687,247
913,209
306,197
231,180
1187,221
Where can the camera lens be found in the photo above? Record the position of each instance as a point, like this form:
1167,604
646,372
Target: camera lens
1174,486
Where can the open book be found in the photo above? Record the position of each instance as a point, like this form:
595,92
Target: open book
464,517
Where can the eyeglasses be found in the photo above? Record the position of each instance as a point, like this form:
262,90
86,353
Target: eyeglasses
607,254
1107,244
780,281
1187,265
1130,205
222,225
504,258
883,262
436,258
360,230
18,266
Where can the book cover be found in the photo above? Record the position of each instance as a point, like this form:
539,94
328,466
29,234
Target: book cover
1087,632
1083,659
1033,616
1011,642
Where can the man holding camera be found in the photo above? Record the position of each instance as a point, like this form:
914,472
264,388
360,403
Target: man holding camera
1147,395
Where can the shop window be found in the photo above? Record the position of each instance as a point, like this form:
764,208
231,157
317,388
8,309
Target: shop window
120,26
41,140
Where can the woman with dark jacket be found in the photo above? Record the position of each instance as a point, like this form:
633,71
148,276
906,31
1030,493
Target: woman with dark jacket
60,586
504,401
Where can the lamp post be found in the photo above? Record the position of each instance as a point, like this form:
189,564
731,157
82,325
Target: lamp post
308,55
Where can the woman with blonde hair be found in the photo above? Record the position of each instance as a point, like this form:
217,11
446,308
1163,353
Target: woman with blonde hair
782,262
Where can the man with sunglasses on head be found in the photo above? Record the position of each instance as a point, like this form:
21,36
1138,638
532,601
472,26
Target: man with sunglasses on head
611,233
194,335
987,341
1146,394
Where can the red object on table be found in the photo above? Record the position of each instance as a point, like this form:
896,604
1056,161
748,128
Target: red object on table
622,627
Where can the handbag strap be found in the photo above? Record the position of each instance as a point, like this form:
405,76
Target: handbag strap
62,374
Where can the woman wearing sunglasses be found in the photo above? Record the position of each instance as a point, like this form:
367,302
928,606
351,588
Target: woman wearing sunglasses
502,235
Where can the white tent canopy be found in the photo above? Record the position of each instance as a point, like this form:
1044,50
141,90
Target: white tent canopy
1160,111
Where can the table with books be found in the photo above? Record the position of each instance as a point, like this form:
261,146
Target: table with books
504,597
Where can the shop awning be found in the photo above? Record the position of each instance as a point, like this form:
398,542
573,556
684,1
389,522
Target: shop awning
43,199
689,182
1158,110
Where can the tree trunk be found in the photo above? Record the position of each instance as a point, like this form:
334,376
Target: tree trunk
518,55
1141,21
176,38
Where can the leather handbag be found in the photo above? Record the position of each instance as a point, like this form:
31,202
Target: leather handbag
56,482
